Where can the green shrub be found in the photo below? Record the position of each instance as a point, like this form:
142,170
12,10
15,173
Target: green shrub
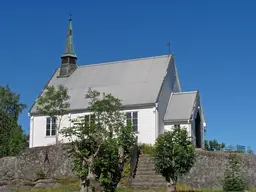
174,156
40,175
147,149
125,174
233,178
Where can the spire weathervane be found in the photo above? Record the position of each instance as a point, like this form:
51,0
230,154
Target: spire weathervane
70,16
169,47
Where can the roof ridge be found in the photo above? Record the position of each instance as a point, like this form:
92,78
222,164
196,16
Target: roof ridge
121,61
171,96
185,92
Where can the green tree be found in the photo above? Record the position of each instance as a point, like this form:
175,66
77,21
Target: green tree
233,179
174,155
101,142
12,138
206,145
249,150
213,145
54,102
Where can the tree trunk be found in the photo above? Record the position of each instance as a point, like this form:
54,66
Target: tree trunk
88,186
171,187
83,188
57,133
94,186
56,138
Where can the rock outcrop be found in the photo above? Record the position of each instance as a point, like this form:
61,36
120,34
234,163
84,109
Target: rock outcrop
39,167
207,173
35,165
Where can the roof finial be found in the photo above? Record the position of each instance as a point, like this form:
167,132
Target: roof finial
169,47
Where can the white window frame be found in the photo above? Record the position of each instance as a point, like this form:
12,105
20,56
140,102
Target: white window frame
176,126
51,126
135,128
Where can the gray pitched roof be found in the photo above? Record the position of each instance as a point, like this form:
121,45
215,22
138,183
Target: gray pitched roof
180,106
135,82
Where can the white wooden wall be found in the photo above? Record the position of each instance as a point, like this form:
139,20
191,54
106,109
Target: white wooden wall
146,128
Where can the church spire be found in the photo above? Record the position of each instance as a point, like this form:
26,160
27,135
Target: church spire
68,59
69,50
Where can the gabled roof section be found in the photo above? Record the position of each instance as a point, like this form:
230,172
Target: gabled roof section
180,106
136,82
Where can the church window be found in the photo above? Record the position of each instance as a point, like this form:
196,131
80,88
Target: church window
89,119
176,126
132,118
51,123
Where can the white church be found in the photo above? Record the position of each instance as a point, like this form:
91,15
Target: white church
149,89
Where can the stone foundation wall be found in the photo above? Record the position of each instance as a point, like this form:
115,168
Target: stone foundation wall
46,162
209,169
54,162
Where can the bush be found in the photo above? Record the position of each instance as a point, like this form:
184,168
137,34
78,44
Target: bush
125,174
40,175
174,155
146,149
214,145
233,179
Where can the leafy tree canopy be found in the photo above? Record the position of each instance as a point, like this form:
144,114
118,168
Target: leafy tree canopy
10,103
54,102
213,145
12,138
101,142
174,155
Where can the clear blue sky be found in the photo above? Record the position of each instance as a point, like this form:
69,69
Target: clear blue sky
213,42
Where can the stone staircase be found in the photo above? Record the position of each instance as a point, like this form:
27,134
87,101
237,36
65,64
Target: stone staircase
145,177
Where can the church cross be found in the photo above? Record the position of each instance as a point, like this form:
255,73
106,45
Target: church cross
169,47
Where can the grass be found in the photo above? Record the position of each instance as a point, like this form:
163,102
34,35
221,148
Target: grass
71,185
67,185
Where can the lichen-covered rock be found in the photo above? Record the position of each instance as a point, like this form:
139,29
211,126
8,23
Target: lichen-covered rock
46,183
7,188
209,169
54,162
35,163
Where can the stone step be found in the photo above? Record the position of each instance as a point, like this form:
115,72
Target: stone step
146,172
145,155
146,177
156,183
150,179
146,165
146,159
151,189
145,168
147,185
